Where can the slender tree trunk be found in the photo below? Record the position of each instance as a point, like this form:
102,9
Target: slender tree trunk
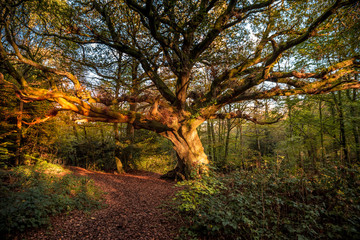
335,142
355,125
321,131
18,156
214,152
220,140
128,154
236,138
209,139
117,151
301,152
288,154
75,132
227,139
85,133
357,142
124,153
102,135
119,165
290,121
339,106
192,160
241,146
257,136
342,130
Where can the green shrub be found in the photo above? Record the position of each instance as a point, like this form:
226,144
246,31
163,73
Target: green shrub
30,194
265,205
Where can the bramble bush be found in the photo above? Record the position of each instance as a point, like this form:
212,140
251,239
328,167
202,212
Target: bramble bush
31,194
263,204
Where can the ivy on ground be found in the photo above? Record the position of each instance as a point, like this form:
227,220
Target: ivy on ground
31,194
263,204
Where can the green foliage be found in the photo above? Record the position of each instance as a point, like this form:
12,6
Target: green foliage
99,157
268,205
8,104
154,153
195,190
33,140
146,151
5,154
30,194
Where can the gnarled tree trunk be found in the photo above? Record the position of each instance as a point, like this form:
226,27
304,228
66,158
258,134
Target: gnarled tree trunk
192,160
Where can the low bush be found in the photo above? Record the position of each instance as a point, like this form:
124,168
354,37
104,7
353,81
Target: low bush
267,205
30,194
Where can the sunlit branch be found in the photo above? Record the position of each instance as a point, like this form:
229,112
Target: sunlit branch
331,83
352,62
52,113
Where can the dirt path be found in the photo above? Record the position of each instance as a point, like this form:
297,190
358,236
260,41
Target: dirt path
132,211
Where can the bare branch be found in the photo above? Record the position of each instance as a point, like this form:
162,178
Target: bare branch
309,32
221,23
242,115
41,67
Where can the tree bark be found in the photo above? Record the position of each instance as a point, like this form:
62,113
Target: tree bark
213,143
192,160
128,160
352,96
227,140
242,147
119,165
18,156
321,131
209,140
343,144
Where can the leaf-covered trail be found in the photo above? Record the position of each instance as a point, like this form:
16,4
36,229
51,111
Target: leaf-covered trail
132,210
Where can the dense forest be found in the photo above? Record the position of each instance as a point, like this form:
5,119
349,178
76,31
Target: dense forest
251,106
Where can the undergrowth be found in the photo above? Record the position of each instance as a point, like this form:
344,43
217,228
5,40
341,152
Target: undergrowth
267,205
31,194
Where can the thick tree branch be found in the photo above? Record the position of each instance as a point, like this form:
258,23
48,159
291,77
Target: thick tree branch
330,83
91,111
295,79
240,86
229,79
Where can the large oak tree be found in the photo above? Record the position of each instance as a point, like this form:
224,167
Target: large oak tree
242,42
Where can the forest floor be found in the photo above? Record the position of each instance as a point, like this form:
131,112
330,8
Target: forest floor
133,210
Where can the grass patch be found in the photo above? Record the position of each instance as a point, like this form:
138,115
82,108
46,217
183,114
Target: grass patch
31,194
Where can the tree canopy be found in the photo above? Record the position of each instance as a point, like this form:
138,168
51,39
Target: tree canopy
180,61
